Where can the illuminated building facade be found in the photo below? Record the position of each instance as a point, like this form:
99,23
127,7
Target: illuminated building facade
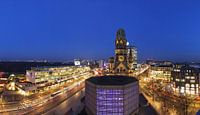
101,63
132,56
111,95
25,88
48,76
162,72
3,79
125,60
186,79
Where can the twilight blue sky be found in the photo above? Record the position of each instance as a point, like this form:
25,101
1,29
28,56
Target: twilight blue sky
66,29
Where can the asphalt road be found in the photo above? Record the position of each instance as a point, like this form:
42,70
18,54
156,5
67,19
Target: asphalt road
53,102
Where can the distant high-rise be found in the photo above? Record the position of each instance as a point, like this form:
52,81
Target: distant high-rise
132,56
125,60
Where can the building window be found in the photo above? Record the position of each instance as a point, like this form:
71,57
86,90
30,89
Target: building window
187,77
177,79
192,77
187,85
182,80
192,85
109,102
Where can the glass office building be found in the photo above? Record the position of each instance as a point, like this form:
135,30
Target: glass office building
112,95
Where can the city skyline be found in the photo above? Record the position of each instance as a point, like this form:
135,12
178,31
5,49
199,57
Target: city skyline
63,30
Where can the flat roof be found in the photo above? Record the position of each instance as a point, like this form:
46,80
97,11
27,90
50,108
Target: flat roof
111,80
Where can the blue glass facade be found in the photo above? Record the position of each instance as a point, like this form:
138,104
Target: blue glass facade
109,102
117,99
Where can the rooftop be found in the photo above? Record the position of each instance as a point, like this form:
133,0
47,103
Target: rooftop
112,80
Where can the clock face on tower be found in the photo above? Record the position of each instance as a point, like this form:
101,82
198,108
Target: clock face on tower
121,58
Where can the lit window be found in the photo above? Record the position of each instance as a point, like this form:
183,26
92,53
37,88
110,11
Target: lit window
192,85
192,77
177,79
182,91
187,85
182,87
183,80
187,77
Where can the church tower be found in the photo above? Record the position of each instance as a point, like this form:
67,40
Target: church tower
125,60
120,63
